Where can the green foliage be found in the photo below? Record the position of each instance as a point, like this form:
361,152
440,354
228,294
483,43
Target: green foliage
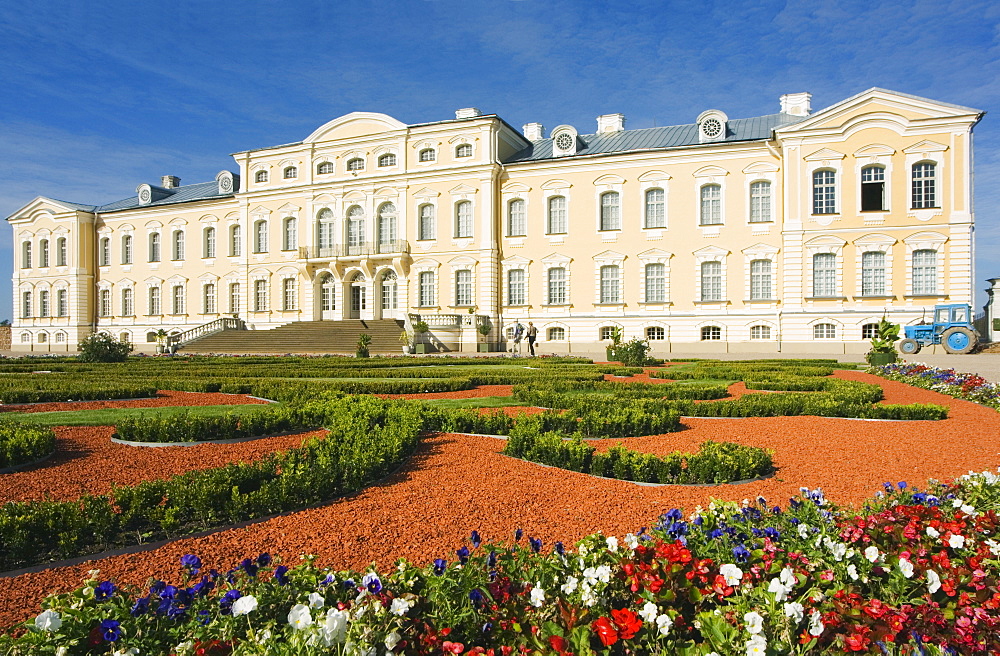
364,340
886,334
21,444
633,353
102,347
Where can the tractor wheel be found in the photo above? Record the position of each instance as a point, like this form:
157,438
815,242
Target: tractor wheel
909,347
958,340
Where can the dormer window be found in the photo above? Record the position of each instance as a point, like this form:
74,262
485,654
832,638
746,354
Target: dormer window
325,168
356,164
564,140
712,126
389,159
427,155
291,172
260,176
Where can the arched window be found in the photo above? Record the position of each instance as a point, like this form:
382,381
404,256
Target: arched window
260,176
711,333
427,155
760,202
154,247
326,226
760,332
235,241
260,296
463,150
389,290
869,331
873,189
104,252
289,294
463,287
62,303
43,253
824,331
463,219
924,185
557,286
611,218
126,249
610,291
128,304
425,289
389,159
25,254
289,234
61,252
656,333
760,280
925,272
556,224
153,300
516,222
260,237
517,288
386,227
125,338
711,281
208,248
824,275
178,245
26,304
656,283
655,211
104,303
873,273
427,224
355,164
711,204
606,332
355,228
290,172
324,168
824,192
208,299
556,334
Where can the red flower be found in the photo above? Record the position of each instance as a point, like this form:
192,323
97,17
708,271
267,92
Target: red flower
453,647
559,644
605,631
858,641
628,623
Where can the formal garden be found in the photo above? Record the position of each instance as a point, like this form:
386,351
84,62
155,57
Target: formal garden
406,505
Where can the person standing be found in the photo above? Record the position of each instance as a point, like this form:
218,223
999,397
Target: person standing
518,334
531,334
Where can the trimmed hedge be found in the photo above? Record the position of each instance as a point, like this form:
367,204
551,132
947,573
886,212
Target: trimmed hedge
21,444
31,390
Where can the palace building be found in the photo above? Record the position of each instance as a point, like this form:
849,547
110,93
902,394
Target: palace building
794,232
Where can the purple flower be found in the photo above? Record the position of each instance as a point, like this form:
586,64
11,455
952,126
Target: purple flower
476,597
226,603
204,617
191,563
902,485
463,555
439,566
536,544
250,567
157,587
559,549
104,591
517,535
741,554
372,582
476,540
491,560
264,559
110,630
140,607
279,575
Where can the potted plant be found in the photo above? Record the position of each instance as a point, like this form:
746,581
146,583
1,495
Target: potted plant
406,339
364,339
484,329
616,340
161,340
883,350
419,328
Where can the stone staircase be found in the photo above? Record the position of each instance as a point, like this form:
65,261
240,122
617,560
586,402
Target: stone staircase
304,337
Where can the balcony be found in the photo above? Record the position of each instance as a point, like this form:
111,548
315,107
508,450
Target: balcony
355,251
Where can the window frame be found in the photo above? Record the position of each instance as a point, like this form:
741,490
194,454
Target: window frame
289,233
873,278
610,286
655,277
928,286
825,285
460,150
62,252
261,176
711,287
208,242
655,333
261,295
923,183
154,243
426,289
659,215
463,221
426,222
709,207
290,172
154,301
426,155
355,164
762,282
260,236
464,292
326,167
128,302
517,287
517,219
556,288
209,302
177,245
386,160
289,295
760,332
824,330
104,251
610,212
877,180
126,247
824,192
178,302
551,215
761,205
710,333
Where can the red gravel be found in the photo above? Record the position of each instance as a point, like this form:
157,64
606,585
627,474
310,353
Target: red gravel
162,398
458,483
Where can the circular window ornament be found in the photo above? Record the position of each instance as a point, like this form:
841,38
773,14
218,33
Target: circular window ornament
226,183
711,128
144,196
564,141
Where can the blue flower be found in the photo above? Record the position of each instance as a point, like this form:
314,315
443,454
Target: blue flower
673,514
699,520
140,607
716,533
491,560
536,544
487,627
226,603
741,554
104,591
559,549
476,540
372,582
776,510
157,587
168,592
328,580
250,567
463,555
517,535
204,617
110,630
439,566
264,559
772,533
191,563
888,487
279,575
476,597
349,584
176,611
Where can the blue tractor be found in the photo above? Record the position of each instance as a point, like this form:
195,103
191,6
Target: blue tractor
951,328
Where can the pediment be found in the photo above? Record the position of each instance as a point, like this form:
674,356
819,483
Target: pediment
824,154
516,261
762,249
355,124
42,206
260,210
427,192
610,255
288,208
177,279
208,277
609,179
874,150
515,188
463,260
926,146
462,190
556,258
153,281
761,167
711,250
654,253
654,176
923,237
826,240
126,282
710,171
555,184
875,238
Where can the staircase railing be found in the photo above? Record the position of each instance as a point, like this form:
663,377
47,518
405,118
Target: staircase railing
210,328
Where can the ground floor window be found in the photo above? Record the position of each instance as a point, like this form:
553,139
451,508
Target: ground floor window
711,333
869,331
824,331
760,332
656,333
556,334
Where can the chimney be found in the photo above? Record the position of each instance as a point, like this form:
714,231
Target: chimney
467,112
610,123
796,104
533,131
170,182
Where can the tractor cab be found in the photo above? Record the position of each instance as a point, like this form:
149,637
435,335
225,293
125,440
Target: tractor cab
951,327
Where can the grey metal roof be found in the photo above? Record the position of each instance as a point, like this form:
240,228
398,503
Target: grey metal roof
740,129
182,194
78,206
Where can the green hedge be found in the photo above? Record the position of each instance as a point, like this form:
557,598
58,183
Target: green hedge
57,389
368,438
20,444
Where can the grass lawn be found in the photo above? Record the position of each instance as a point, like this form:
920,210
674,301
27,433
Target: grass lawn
477,402
110,416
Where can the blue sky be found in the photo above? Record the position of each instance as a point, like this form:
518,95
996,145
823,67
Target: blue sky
99,97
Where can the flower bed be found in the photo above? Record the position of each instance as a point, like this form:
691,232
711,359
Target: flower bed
912,573
970,387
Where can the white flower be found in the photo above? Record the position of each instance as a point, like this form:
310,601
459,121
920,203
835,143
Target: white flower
648,612
335,627
933,581
779,589
787,577
590,576
756,646
994,547
631,541
392,640
815,624
852,571
316,600
933,532
968,510
299,617
956,541
399,606
794,610
803,531
264,636
64,651
48,620
244,605
582,550
537,597
182,649
732,574
588,597
755,623
663,624
871,553
604,574
906,567
612,542
131,651
956,503
569,587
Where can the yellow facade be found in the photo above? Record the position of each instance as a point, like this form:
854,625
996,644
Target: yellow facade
792,232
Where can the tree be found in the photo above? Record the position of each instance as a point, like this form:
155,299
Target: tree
102,347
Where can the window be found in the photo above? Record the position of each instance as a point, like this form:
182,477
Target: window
463,287
656,283
43,304
290,172
557,216
824,275
260,237
711,204
611,211
235,241
177,299
924,187
610,284
324,168
355,227
824,331
260,176
386,225
656,216
516,224
463,150
154,247
760,280
290,234
873,273
104,252
656,333
127,249
463,219
760,202
208,249
426,228
124,338
153,300
104,303
873,189
711,281
208,299
260,296
824,192
711,333
62,303
606,332
25,304
26,255
128,306
556,334
43,253
61,252
328,297
425,289
288,295
869,331
427,155
356,164
42,338
760,332
234,298
925,272
517,292
388,159
389,290
177,252
557,286
25,338
60,338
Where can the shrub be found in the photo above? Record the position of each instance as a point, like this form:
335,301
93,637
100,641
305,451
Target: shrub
21,444
102,347
632,353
